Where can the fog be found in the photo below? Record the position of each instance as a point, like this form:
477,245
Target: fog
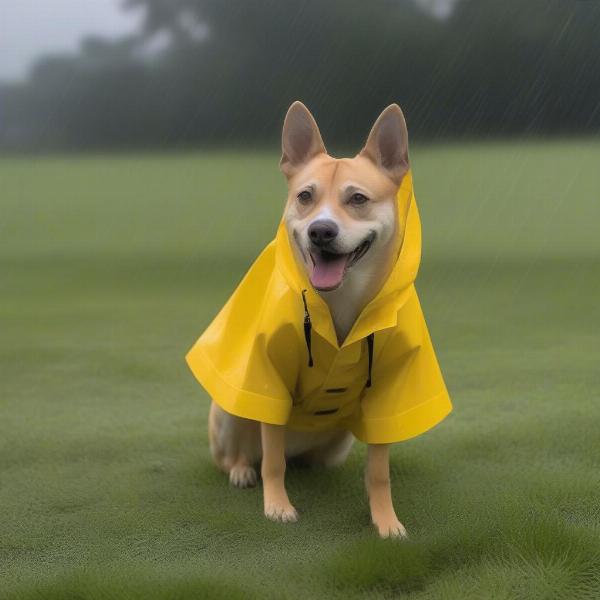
30,28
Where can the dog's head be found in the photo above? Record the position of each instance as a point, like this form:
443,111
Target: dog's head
341,214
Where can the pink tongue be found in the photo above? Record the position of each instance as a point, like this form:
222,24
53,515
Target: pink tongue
328,274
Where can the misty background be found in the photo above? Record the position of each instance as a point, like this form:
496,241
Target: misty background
186,73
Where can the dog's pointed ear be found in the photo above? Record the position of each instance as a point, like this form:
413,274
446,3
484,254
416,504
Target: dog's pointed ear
387,144
300,140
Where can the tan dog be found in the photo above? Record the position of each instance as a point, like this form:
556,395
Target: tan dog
342,216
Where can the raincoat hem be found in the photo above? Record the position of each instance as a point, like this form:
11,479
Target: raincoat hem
241,403
404,426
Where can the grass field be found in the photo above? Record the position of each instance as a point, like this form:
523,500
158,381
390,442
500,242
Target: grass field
110,267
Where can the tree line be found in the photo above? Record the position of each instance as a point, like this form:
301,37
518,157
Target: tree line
214,71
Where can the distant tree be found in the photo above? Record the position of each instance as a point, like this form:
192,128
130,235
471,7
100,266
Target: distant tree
203,71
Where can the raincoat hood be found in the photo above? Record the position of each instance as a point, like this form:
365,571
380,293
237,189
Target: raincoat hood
272,353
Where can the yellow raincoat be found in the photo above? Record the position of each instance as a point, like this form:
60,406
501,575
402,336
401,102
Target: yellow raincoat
383,383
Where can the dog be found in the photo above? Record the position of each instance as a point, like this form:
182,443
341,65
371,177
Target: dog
344,223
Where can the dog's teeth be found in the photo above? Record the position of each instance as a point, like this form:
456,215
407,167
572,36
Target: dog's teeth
359,252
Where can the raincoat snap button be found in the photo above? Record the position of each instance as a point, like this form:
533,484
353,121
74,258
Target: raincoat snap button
326,411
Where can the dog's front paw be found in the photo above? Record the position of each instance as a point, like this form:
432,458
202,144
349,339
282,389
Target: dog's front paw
390,527
283,512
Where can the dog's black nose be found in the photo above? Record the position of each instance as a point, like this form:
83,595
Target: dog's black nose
322,232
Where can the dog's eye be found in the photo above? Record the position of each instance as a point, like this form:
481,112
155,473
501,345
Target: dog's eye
304,197
358,199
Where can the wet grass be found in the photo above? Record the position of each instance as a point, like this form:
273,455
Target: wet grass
111,267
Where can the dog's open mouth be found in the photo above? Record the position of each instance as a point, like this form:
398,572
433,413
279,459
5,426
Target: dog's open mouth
329,268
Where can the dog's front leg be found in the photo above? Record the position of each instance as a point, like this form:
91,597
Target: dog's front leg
377,479
277,504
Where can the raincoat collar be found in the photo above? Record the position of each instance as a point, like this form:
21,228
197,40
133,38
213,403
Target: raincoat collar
382,311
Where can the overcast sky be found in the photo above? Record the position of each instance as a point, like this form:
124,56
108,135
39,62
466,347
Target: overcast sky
29,28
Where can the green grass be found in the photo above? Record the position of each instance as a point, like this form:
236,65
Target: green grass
111,267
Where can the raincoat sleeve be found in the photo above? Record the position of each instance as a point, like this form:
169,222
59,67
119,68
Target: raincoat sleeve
408,395
242,359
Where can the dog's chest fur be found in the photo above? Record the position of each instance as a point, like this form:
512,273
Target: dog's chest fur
346,302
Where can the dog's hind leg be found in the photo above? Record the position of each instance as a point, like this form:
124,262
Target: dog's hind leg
235,445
